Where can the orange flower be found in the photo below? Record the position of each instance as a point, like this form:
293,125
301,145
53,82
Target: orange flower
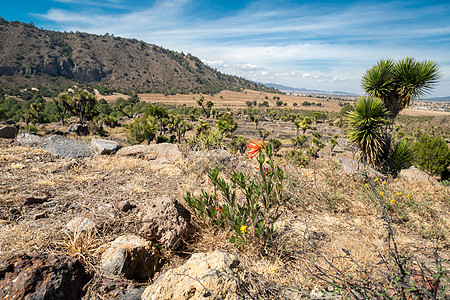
218,208
254,146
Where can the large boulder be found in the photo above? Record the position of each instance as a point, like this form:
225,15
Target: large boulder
163,151
41,277
167,222
354,167
131,256
29,140
79,129
102,146
67,148
413,175
8,132
203,276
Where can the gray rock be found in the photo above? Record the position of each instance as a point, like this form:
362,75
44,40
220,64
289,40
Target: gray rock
80,224
202,275
413,174
29,140
131,256
78,129
220,158
8,132
167,222
354,167
102,146
163,151
67,148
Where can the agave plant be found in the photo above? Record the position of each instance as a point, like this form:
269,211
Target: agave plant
398,83
367,123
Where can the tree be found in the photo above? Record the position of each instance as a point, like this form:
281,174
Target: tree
142,128
83,105
63,106
397,83
209,105
226,124
366,127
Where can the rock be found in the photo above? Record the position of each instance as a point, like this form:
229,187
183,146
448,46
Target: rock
41,277
338,149
28,199
353,167
167,222
29,140
123,205
220,158
67,148
164,151
102,146
203,276
41,215
80,224
413,174
131,256
8,132
79,129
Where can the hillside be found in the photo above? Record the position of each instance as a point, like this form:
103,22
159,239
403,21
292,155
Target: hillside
29,55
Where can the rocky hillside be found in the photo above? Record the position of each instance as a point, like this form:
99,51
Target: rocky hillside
28,52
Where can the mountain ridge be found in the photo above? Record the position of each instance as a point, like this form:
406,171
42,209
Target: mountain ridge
107,60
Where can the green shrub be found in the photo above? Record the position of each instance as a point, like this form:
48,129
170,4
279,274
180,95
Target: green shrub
251,218
162,139
432,154
30,128
275,144
298,157
400,156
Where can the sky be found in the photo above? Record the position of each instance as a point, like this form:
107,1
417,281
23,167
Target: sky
326,45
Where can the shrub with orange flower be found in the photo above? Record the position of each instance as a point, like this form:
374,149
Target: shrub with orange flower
254,147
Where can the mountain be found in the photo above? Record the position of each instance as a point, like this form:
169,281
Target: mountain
288,89
29,55
441,99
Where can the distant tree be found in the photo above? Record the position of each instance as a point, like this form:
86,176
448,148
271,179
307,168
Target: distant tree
83,105
226,124
63,105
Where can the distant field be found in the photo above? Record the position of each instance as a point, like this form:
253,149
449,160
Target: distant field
239,99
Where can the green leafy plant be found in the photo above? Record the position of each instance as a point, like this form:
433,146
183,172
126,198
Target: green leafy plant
251,217
432,154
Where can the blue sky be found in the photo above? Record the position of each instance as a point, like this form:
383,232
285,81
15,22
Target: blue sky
323,45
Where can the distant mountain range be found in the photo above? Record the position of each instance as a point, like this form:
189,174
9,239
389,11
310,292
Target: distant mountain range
441,99
30,56
288,89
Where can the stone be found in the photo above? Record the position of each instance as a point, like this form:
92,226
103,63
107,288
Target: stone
123,205
8,132
80,224
203,276
40,276
131,256
29,140
167,222
413,174
220,158
79,129
354,167
29,199
163,151
102,146
67,148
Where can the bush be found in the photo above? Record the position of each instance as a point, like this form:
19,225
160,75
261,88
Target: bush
400,156
279,103
252,218
432,154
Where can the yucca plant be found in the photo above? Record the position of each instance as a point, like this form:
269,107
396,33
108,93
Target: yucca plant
400,156
398,83
367,123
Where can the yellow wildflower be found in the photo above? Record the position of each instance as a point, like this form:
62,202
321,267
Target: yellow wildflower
399,194
382,193
243,229
376,179
392,201
306,175
284,164
384,182
365,184
409,196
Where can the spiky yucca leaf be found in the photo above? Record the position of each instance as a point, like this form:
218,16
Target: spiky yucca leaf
366,127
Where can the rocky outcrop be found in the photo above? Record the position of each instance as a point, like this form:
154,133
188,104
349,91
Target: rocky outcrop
131,256
29,140
167,222
354,167
413,174
79,129
102,146
41,277
163,152
203,276
67,148
8,132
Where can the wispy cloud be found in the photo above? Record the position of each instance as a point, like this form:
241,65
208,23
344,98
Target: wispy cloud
332,44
